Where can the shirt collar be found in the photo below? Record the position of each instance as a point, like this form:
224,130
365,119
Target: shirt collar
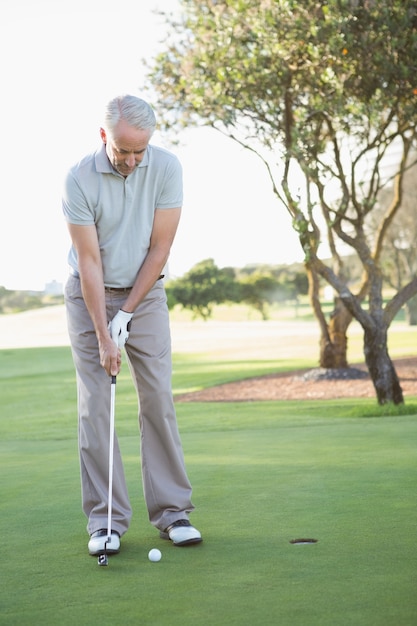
103,165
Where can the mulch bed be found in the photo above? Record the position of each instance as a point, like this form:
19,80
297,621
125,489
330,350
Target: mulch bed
306,385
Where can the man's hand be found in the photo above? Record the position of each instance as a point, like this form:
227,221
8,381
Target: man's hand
119,327
110,356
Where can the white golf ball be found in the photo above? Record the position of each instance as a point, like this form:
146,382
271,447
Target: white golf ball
154,555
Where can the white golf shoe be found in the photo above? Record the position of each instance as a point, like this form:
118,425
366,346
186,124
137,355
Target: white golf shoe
99,538
181,533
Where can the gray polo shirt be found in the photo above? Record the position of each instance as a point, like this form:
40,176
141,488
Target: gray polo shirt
122,209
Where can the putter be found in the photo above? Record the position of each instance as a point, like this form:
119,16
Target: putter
103,558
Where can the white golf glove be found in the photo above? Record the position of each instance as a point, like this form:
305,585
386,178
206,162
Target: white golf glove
119,327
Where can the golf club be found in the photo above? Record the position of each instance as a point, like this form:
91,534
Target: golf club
103,558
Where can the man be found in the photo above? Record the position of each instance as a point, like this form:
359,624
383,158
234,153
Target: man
122,205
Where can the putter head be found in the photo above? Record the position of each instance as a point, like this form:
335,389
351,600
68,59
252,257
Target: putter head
103,560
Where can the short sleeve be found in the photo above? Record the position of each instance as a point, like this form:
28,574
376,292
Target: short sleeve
171,193
74,204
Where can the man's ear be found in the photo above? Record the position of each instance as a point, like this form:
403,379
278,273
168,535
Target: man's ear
103,135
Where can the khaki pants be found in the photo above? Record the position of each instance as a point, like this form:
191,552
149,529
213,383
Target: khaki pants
166,487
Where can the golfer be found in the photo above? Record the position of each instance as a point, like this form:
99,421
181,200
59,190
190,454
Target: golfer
122,205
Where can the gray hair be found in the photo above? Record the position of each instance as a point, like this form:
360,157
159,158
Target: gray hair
135,111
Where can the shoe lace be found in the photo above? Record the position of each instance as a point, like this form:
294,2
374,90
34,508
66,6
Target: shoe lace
180,522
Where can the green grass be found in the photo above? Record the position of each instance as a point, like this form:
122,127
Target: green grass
193,372
263,473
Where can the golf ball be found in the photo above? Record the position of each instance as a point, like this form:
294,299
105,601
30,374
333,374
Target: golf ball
154,555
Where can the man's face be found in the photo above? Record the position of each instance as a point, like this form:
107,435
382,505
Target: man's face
125,147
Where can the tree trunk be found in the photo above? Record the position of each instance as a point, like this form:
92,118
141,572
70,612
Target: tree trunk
334,351
333,338
411,311
380,367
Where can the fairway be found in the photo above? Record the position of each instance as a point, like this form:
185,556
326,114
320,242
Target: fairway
264,473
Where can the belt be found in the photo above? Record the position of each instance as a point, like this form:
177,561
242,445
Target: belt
117,289
75,273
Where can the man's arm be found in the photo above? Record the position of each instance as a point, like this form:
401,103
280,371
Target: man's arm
163,232
85,242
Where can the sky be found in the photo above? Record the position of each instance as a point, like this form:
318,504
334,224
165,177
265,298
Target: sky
61,62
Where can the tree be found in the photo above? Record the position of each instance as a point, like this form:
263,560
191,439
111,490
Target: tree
17,301
291,280
203,286
325,93
399,258
258,290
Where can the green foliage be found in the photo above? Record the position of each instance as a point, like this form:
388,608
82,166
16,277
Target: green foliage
171,300
320,91
203,286
258,290
16,301
229,60
292,280
326,95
